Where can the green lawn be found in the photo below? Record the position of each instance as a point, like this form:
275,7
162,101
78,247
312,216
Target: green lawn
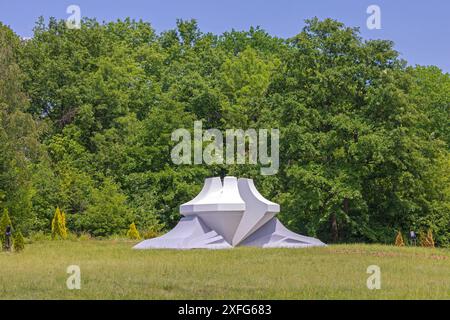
112,270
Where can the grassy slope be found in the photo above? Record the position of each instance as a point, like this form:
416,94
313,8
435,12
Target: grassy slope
111,270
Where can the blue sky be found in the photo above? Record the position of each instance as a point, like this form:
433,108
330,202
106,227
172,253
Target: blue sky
420,29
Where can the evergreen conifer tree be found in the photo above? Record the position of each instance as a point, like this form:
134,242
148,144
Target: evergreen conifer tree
19,243
133,233
59,228
399,240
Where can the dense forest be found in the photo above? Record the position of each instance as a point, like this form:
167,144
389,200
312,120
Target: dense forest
86,117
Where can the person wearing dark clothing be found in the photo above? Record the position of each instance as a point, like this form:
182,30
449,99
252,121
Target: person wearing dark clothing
413,237
8,238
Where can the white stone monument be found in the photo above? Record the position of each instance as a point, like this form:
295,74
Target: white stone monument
226,215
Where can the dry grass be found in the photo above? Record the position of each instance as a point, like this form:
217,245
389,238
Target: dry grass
112,270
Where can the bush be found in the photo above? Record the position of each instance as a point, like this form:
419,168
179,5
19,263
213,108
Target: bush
59,229
39,236
19,243
152,232
63,227
107,214
427,240
133,233
84,236
399,240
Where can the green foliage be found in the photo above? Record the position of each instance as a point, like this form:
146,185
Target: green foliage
5,220
19,242
37,236
62,225
431,92
133,233
152,231
364,139
19,145
107,214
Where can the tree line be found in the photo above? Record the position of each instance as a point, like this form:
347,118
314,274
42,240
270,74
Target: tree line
86,117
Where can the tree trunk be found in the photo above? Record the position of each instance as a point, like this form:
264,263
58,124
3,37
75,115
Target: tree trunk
334,228
345,204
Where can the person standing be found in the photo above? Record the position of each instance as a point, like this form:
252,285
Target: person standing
413,237
8,238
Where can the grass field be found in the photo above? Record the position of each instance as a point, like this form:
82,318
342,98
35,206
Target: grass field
112,270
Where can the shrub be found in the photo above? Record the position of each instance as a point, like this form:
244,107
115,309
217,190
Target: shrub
19,243
39,236
63,227
107,214
59,229
399,240
427,240
55,225
133,233
152,232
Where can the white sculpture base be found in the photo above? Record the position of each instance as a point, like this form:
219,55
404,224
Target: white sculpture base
189,233
192,233
229,214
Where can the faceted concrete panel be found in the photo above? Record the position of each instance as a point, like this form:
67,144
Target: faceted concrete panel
229,214
258,211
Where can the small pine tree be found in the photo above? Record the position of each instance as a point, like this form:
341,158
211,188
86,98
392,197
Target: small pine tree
427,240
4,222
430,238
55,224
19,243
422,239
59,228
399,240
133,233
63,227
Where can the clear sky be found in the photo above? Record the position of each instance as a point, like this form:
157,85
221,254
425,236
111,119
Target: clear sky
420,29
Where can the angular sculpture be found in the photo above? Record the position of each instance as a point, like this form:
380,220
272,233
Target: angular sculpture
226,215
